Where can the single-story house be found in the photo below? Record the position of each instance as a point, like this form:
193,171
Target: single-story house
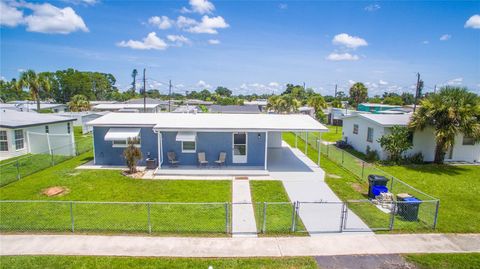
162,104
31,106
235,109
22,133
375,108
335,115
81,118
245,138
307,110
196,102
186,109
362,130
117,107
261,103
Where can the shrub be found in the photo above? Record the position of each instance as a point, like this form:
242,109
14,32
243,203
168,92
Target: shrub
372,155
416,158
132,155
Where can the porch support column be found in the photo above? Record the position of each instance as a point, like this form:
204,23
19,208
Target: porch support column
319,143
266,150
306,142
160,149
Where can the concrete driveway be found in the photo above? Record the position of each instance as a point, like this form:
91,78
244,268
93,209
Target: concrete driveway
304,182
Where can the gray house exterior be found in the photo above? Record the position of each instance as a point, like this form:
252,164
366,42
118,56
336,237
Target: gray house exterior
244,138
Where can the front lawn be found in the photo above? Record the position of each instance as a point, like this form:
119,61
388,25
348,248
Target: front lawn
112,186
445,261
279,208
92,262
334,134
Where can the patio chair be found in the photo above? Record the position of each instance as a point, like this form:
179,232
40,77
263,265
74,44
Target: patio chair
221,159
172,159
201,159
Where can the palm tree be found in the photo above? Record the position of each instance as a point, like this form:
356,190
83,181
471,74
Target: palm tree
134,76
317,102
79,103
272,103
451,111
35,83
358,93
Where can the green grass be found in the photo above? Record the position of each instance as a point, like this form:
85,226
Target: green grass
334,134
348,186
279,216
111,185
457,187
445,261
80,262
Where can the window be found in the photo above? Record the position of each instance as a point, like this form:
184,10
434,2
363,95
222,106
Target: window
47,130
468,141
19,140
370,134
189,146
3,141
123,143
68,127
355,128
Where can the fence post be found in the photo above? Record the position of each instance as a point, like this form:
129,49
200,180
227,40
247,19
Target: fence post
72,219
319,152
391,184
296,140
53,161
392,215
436,215
306,142
343,153
149,219
227,217
18,170
264,226
342,216
328,147
294,209
363,168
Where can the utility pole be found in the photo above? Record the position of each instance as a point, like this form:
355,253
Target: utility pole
169,95
144,93
416,92
435,89
335,91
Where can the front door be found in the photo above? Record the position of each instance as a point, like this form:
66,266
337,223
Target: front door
239,148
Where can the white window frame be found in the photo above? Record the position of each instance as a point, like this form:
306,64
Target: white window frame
16,139
4,140
124,145
472,143
355,129
189,150
47,129
368,129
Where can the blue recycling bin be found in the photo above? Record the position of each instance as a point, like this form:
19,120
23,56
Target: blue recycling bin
408,208
376,190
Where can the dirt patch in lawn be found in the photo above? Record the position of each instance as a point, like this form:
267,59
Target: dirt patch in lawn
358,187
138,174
55,191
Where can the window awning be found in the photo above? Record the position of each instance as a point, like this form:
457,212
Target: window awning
186,136
121,133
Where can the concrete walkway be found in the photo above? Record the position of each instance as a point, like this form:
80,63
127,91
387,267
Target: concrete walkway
243,218
304,182
325,245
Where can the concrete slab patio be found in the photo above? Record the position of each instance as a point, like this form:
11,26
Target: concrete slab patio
324,245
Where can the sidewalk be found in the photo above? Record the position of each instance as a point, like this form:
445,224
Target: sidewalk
325,245
243,218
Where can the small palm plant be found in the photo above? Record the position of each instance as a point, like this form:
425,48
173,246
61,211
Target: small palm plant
132,155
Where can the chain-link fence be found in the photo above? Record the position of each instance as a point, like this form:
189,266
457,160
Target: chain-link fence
20,167
114,217
426,208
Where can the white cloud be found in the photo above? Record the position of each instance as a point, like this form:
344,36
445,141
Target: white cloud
425,42
445,37
342,57
382,82
455,82
349,41
351,82
282,6
183,22
208,25
199,6
149,42
213,41
85,2
50,19
178,40
372,7
162,22
11,16
473,22
203,85
274,84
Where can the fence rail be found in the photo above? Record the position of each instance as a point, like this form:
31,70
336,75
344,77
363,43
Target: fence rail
20,167
428,212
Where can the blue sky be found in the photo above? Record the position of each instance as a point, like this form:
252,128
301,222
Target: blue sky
249,46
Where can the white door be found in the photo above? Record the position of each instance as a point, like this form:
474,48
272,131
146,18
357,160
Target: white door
239,150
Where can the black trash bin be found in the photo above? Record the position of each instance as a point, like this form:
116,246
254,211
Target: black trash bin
408,208
375,180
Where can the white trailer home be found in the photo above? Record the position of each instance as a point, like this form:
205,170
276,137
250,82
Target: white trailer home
362,130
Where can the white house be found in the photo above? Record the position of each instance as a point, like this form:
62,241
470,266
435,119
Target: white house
117,107
81,118
362,130
22,133
31,106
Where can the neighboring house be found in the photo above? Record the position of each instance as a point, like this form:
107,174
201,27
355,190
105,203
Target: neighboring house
81,118
94,103
162,104
29,106
245,138
261,103
186,109
150,108
335,115
22,133
235,109
307,110
364,130
375,108
196,102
